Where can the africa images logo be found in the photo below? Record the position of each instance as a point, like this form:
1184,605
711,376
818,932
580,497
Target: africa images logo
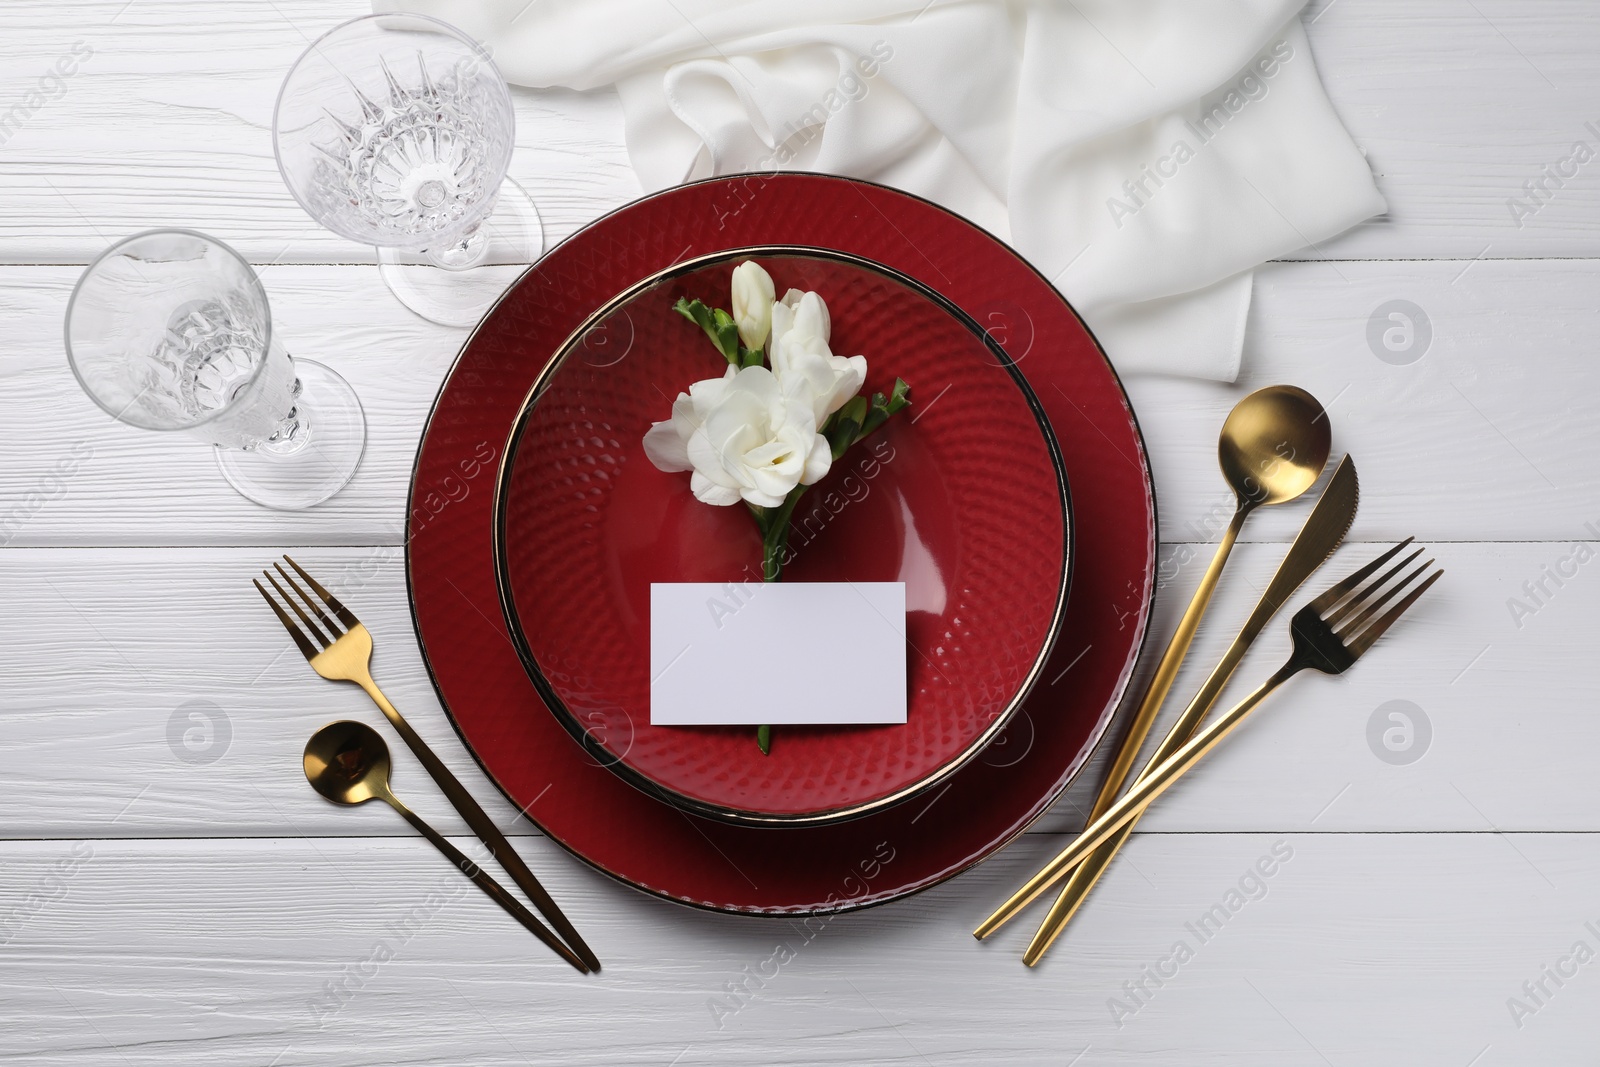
1214,116
1537,192
51,85
1252,885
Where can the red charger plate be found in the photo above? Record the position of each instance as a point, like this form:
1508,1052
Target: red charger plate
962,498
657,847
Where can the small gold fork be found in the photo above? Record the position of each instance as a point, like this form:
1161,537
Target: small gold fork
346,656
1330,634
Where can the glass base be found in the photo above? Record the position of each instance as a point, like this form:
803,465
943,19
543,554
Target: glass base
460,298
318,465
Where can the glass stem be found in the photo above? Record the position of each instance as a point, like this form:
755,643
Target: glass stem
471,250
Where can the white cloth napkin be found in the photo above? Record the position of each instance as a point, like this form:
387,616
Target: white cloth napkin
1145,155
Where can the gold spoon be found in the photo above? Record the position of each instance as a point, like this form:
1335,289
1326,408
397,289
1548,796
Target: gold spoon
1273,447
348,763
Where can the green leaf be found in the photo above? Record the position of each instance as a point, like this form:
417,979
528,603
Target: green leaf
899,396
717,324
883,407
764,739
726,337
844,428
876,416
694,311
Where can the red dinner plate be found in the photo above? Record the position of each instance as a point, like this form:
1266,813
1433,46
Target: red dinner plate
962,498
656,846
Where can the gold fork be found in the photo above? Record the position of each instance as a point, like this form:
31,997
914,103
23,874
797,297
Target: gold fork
1330,634
346,657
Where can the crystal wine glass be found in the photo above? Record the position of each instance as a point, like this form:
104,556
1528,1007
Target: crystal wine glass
396,131
170,330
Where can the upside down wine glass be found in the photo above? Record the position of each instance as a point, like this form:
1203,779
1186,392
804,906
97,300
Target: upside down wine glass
170,330
396,131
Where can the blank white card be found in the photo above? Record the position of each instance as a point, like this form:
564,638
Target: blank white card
806,653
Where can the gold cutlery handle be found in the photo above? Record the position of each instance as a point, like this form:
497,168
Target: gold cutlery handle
480,823
1323,531
1089,871
483,881
1167,671
1124,811
1154,695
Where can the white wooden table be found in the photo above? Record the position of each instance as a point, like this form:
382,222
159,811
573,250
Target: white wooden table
168,900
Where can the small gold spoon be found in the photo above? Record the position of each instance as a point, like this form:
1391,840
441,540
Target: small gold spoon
348,763
1273,447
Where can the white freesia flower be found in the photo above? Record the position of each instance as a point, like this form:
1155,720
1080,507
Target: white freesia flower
753,295
802,361
743,437
667,443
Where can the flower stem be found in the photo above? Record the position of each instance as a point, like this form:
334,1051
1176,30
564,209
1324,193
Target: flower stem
774,526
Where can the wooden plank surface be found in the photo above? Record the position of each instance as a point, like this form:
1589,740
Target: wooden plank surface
1353,950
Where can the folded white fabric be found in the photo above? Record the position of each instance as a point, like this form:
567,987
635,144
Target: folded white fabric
1145,155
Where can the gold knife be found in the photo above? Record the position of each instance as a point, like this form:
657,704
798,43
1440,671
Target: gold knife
1323,531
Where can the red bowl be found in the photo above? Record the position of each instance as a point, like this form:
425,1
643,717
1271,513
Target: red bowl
963,497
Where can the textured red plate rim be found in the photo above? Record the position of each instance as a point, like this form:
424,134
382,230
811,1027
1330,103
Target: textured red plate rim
597,749
1141,613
